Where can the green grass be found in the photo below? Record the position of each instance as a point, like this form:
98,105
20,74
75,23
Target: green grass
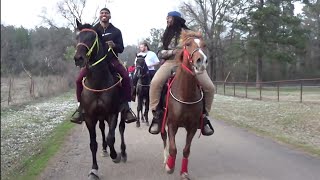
296,124
33,166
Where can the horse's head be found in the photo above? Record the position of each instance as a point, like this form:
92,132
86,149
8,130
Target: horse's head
141,66
88,44
192,54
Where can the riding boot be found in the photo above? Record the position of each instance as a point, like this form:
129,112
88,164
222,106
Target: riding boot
130,116
207,129
77,116
156,123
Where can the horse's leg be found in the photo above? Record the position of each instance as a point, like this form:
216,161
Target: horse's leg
139,109
165,147
122,127
146,110
91,125
104,142
186,152
172,131
111,138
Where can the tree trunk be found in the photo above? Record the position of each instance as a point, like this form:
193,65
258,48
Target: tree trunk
259,71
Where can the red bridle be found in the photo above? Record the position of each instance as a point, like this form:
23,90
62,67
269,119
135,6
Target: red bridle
188,57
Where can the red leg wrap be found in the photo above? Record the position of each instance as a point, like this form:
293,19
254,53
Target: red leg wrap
171,161
184,165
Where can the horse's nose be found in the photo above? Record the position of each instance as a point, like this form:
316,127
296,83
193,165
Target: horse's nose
78,59
199,61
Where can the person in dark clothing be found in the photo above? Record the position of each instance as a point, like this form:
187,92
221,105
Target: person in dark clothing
113,38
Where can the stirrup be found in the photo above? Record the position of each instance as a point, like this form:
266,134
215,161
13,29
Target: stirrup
80,118
205,123
157,119
153,123
134,119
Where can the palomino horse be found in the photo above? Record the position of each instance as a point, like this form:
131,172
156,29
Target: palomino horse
142,89
184,99
100,97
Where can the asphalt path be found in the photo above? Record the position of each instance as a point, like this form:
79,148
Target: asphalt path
230,154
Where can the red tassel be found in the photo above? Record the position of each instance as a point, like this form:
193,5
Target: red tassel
184,165
171,161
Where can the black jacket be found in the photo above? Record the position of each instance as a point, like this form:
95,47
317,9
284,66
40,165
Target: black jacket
111,33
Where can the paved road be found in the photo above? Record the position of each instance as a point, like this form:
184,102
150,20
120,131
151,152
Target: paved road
230,154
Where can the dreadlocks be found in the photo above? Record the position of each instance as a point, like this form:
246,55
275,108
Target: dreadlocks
173,31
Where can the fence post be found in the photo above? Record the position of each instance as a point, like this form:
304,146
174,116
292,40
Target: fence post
301,87
224,88
246,89
260,89
217,88
10,90
234,89
278,92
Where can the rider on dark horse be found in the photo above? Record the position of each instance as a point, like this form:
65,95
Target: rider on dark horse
113,38
151,60
170,41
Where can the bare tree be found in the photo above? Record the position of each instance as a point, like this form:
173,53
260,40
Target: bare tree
207,15
69,10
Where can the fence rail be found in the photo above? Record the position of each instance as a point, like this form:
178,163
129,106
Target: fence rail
300,90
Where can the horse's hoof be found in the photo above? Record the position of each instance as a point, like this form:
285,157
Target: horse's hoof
104,153
147,123
185,176
138,125
117,159
124,158
169,171
93,174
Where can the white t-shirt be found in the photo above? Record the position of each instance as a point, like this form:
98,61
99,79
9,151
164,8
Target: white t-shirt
150,59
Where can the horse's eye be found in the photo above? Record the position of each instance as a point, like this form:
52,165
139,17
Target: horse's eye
188,43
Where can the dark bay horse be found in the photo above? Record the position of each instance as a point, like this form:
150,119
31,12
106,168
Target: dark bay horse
184,99
142,88
100,97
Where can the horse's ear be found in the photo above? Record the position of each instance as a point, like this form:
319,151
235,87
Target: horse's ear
79,25
144,56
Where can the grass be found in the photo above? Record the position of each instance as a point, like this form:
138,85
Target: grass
31,133
297,124
34,165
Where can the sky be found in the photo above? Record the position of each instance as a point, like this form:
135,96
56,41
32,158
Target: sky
135,18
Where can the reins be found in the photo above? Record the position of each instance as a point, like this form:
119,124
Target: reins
88,54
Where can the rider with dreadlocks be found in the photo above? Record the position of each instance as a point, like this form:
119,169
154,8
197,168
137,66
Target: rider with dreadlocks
170,41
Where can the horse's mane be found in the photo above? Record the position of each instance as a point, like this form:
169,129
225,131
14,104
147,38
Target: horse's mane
89,26
185,34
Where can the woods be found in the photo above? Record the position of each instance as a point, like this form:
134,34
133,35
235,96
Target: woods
258,41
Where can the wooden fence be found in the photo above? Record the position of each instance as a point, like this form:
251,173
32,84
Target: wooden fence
299,90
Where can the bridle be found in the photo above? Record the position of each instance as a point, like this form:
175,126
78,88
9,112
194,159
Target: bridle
88,54
90,49
188,56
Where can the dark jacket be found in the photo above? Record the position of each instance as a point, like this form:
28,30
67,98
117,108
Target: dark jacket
111,33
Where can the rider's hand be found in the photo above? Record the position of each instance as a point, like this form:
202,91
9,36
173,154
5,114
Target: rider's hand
111,44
